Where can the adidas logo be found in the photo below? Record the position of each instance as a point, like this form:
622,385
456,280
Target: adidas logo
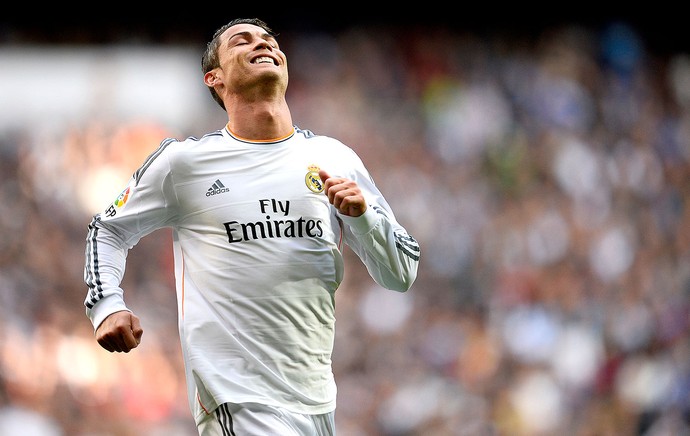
217,188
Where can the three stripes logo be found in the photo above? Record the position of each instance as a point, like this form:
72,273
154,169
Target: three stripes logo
217,188
404,242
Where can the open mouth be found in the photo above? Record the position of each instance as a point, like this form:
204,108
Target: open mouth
264,60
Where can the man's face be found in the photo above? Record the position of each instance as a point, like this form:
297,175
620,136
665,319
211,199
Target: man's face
249,56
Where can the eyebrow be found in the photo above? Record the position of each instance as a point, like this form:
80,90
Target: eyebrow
265,35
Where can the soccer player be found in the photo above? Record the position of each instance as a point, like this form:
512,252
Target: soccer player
260,210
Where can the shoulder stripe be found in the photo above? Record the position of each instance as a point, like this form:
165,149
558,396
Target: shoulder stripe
216,133
140,172
91,275
307,133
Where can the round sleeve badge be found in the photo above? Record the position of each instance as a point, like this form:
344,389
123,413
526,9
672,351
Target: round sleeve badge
122,198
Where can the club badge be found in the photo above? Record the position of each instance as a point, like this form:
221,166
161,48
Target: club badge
312,179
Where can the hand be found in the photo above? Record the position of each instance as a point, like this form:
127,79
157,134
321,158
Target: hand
344,194
120,331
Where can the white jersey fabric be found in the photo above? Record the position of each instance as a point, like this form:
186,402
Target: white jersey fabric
258,258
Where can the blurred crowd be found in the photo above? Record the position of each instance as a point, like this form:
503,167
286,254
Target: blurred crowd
546,178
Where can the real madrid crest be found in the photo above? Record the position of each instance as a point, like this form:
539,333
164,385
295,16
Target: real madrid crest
312,179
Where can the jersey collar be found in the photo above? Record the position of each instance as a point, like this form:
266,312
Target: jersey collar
261,141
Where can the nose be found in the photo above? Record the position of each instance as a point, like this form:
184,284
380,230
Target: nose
263,44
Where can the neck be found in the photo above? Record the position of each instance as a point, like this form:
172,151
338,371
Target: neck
259,120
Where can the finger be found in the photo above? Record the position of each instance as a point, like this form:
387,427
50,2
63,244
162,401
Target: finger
324,175
336,194
105,339
333,186
103,342
342,201
353,206
328,183
114,342
129,339
122,336
137,331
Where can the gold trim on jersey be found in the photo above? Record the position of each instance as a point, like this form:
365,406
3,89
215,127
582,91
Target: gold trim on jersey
259,141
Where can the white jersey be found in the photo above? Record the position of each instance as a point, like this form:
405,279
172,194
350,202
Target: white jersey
258,258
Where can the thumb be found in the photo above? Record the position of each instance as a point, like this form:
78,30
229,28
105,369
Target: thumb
324,175
137,331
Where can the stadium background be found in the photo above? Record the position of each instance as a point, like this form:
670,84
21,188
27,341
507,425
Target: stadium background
539,157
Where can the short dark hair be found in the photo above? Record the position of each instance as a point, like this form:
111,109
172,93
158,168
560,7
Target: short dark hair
209,60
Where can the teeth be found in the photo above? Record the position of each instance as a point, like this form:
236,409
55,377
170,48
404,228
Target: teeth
263,60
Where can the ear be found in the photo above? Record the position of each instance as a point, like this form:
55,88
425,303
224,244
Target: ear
211,78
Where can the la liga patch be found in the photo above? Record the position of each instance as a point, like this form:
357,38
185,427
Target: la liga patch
122,198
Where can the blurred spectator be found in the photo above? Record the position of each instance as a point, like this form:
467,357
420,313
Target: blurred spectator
546,179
